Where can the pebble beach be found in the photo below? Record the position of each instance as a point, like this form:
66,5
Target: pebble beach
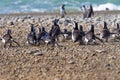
71,62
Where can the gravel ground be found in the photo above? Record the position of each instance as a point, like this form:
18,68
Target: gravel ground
71,62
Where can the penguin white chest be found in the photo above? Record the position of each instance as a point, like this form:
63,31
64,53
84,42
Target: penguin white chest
86,40
101,35
73,38
3,40
65,35
47,41
113,35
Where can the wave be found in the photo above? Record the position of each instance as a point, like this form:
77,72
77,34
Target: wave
11,6
110,6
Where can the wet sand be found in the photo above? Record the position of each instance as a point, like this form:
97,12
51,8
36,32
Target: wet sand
71,62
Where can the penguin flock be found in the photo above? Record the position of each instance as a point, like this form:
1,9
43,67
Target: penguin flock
87,11
76,35
52,36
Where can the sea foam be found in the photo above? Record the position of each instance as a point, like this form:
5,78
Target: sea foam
110,6
52,6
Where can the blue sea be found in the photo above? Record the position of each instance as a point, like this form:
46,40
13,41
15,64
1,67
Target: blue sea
13,6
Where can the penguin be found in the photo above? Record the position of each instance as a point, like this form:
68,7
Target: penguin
75,33
105,33
116,32
82,33
31,37
7,39
56,32
90,12
67,34
90,36
62,11
84,11
45,36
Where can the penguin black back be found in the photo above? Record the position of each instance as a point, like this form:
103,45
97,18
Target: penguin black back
82,33
32,38
9,32
118,26
92,28
105,25
75,26
90,11
7,38
75,33
105,33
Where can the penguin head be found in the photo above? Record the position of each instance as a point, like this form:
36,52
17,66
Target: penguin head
63,5
118,26
9,31
84,6
32,28
75,25
56,21
40,30
105,25
92,28
81,28
65,30
43,29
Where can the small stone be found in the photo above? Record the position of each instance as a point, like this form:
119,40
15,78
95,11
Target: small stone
106,65
112,57
98,19
35,52
100,51
118,72
38,53
94,54
20,20
21,76
10,23
32,51
57,79
71,61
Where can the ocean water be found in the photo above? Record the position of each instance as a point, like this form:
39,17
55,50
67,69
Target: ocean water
13,6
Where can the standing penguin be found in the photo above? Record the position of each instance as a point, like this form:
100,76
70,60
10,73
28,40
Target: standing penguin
75,33
116,32
90,12
84,11
31,37
62,11
90,36
105,33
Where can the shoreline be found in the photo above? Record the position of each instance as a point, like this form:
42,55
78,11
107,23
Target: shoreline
57,13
